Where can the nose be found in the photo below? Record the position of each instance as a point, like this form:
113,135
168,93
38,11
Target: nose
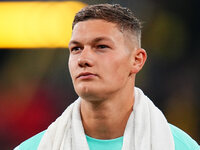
85,58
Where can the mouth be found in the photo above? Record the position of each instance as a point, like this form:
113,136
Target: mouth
86,75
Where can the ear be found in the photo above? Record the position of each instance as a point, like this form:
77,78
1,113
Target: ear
139,58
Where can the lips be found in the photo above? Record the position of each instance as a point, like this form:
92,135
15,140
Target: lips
86,74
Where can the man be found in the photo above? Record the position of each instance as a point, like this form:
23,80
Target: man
110,114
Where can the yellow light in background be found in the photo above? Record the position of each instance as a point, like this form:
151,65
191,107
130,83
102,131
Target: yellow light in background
36,24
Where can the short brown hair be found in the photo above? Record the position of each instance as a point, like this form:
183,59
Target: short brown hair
121,16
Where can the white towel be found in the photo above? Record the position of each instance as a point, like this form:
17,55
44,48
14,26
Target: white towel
146,129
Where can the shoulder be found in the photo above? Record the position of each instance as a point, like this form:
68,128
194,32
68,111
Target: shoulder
32,143
182,140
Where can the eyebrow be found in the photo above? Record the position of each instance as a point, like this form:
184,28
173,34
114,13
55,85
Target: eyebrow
96,40
73,42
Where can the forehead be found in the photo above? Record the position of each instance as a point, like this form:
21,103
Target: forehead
94,28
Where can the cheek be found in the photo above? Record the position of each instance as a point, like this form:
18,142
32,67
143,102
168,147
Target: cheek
71,66
118,69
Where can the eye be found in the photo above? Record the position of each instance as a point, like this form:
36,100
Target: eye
102,46
75,49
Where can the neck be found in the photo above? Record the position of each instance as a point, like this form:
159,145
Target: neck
107,119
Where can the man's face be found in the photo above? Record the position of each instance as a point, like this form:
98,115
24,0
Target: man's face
100,60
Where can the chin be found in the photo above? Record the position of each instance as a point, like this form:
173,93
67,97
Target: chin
89,94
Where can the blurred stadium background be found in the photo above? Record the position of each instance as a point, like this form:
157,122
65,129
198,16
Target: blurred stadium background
35,85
